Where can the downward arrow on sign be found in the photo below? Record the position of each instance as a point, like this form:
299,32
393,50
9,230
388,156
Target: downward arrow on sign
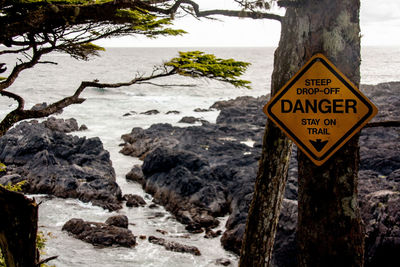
318,144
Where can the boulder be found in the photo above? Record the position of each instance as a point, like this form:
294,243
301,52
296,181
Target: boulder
61,125
118,220
381,216
134,200
150,112
100,234
173,112
190,120
174,246
62,165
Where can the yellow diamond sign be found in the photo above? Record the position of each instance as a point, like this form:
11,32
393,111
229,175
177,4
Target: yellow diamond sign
320,109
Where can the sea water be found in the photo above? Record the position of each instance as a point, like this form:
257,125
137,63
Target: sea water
103,113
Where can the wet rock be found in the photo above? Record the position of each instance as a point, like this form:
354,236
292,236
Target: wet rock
212,234
381,216
174,246
136,175
62,165
150,112
209,171
202,109
190,120
173,112
118,220
134,200
163,232
100,234
83,127
223,262
130,113
39,106
61,125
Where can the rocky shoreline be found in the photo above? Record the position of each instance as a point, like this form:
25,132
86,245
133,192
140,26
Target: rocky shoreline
52,162
201,172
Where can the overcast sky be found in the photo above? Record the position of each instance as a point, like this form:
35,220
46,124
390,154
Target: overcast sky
380,26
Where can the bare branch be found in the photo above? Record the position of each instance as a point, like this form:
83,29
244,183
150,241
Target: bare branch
47,62
20,114
22,66
15,51
19,99
46,260
231,13
383,124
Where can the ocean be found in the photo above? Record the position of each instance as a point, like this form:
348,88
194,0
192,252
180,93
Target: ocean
103,114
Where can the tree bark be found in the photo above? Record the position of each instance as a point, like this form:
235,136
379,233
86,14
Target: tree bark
271,179
18,228
330,231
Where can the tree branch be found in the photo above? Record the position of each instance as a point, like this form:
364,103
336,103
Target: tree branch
20,67
20,114
19,99
46,260
383,124
231,13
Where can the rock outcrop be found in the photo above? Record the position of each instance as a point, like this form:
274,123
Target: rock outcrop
112,233
202,172
58,164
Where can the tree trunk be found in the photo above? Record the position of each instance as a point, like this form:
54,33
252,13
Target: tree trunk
271,179
329,224
330,232
18,228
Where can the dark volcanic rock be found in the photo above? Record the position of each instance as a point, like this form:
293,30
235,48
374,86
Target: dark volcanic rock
61,125
59,164
190,120
100,234
381,212
136,174
202,109
150,112
199,173
134,200
207,171
173,112
174,246
118,220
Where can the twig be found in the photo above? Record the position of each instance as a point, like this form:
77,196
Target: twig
46,260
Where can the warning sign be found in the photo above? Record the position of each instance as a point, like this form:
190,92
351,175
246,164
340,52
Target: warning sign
320,109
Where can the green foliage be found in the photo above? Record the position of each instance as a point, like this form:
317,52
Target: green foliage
145,23
82,51
14,187
3,167
199,64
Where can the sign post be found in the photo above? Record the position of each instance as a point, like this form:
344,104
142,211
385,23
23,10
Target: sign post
320,109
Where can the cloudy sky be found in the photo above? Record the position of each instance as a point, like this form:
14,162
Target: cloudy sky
380,26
